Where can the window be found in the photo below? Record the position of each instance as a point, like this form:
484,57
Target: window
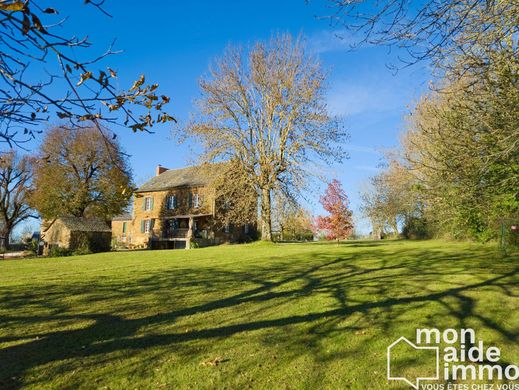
246,228
170,225
147,225
226,204
196,201
171,202
227,228
148,203
124,229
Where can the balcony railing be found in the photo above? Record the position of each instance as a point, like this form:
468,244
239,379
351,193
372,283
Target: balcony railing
175,233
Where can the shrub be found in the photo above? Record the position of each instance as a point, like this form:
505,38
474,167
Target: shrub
416,228
83,250
34,246
57,251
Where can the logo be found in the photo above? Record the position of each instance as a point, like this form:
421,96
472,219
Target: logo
415,382
450,356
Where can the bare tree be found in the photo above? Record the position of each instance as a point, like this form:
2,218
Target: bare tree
44,75
391,198
266,110
15,187
436,30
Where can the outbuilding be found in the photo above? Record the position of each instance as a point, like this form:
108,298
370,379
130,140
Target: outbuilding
76,234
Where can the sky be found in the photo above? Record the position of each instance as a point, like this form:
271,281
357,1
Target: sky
173,42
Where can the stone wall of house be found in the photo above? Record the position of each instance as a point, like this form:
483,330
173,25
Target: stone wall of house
156,209
121,233
55,235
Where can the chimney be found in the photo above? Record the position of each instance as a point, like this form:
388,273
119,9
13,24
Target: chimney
160,169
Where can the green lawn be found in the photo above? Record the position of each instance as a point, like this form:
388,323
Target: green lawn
280,316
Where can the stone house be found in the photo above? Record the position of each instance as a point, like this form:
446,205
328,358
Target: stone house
74,233
176,209
121,224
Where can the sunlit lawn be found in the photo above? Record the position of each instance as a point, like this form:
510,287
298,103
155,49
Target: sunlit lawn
281,316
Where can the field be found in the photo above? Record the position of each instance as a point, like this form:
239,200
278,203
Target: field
263,316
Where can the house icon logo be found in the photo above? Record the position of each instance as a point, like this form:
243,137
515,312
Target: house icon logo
394,371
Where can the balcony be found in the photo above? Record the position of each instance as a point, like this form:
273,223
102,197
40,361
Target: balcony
175,233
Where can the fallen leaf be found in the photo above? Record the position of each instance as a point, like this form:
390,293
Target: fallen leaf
212,362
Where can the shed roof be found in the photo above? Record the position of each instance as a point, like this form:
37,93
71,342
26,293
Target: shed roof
83,224
184,177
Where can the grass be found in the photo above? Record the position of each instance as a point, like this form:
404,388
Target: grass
278,316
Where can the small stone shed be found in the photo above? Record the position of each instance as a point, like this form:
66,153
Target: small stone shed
73,233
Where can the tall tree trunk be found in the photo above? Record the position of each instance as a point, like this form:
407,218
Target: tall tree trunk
377,232
266,223
5,233
395,227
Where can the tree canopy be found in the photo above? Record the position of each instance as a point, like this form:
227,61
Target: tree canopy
80,173
338,224
265,109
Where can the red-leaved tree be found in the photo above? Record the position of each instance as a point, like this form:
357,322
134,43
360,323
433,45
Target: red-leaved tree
338,225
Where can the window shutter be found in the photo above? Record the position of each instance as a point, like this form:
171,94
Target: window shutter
189,197
143,203
142,226
152,222
151,203
174,201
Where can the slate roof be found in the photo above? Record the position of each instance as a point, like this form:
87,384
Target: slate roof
184,177
81,224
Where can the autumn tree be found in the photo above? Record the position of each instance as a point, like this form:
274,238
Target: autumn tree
46,75
80,173
265,108
338,225
16,174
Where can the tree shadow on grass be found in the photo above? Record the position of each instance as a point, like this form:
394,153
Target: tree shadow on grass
379,285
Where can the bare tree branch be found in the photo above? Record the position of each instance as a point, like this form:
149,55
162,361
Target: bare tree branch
28,46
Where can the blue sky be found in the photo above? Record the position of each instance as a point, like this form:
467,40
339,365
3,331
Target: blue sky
173,42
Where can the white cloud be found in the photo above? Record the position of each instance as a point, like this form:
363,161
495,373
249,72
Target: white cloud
326,41
347,98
